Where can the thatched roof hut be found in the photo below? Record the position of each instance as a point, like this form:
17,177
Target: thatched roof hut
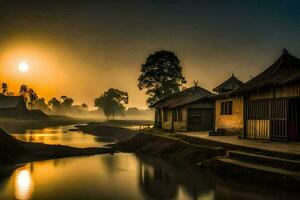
285,70
184,97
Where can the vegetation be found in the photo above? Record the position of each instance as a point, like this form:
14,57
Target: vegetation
161,76
112,102
62,106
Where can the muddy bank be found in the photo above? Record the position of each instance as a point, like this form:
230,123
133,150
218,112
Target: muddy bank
13,151
203,157
168,148
107,130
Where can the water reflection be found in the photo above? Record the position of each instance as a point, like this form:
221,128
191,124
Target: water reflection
62,135
124,177
23,184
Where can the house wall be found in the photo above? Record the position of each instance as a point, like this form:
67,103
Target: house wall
261,128
234,122
182,125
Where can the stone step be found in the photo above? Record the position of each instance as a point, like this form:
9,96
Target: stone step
280,163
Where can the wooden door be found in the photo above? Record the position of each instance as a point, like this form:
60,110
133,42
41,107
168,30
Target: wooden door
200,119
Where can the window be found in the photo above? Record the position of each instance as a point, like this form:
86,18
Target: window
165,113
177,114
226,108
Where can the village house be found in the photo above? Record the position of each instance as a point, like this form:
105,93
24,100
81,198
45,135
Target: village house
15,107
229,108
272,101
189,110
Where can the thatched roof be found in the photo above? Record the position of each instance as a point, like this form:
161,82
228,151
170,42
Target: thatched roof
184,97
228,85
284,70
10,101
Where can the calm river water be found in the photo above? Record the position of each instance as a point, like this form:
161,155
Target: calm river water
117,177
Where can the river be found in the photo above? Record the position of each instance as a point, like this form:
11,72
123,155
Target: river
120,176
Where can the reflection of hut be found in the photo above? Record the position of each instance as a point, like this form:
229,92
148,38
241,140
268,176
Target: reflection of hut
15,107
229,108
155,183
272,101
189,110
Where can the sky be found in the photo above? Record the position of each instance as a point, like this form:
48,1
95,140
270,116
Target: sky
82,48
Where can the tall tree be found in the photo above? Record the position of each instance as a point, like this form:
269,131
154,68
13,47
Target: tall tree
161,76
112,102
31,97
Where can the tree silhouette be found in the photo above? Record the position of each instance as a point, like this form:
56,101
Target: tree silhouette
41,104
55,105
161,75
67,103
4,89
112,102
23,90
31,97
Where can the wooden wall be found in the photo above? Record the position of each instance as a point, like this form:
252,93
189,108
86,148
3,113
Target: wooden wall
292,90
234,122
258,129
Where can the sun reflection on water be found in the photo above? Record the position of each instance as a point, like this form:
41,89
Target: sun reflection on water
23,185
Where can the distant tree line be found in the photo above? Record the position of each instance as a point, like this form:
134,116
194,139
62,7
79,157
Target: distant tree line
62,106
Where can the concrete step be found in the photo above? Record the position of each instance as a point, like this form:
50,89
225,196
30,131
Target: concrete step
275,162
256,167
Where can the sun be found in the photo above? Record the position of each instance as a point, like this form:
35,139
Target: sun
23,67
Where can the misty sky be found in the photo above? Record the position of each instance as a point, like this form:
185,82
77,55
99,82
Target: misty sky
81,48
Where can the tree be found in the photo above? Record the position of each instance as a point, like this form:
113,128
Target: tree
23,90
67,103
112,102
4,88
161,76
41,104
55,105
31,97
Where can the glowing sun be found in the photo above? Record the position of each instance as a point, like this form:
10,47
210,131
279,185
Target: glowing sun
23,67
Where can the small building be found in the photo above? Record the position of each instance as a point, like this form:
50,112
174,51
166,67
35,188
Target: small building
189,110
229,107
15,107
272,101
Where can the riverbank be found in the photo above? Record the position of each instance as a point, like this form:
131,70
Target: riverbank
121,130
219,159
14,152
20,125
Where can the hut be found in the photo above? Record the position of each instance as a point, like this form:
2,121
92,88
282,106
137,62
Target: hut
229,107
11,105
189,110
272,101
15,107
